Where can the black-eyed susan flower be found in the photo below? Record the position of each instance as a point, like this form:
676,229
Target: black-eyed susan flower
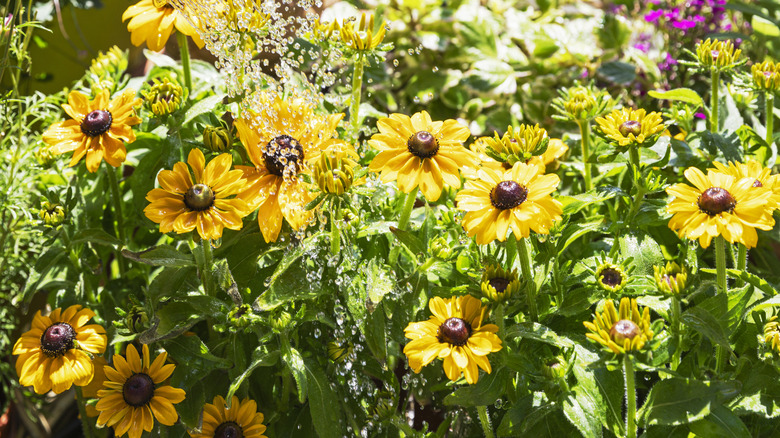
499,285
90,391
627,126
759,175
153,21
98,129
717,55
362,36
199,201
517,144
334,171
719,205
766,76
455,333
240,420
671,279
418,152
581,103
517,199
283,139
771,336
134,395
163,97
55,353
621,332
611,277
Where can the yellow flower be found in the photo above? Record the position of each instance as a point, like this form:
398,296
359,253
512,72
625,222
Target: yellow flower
486,147
363,37
239,420
163,97
417,151
610,277
498,285
184,204
90,391
671,279
772,334
717,55
719,204
153,21
766,76
97,128
455,334
621,332
628,126
282,140
55,353
133,394
759,176
334,171
517,199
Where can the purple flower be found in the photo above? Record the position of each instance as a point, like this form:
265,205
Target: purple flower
684,24
653,16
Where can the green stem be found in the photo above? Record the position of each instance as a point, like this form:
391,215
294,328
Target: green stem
715,87
720,266
120,225
86,424
639,197
357,88
628,370
676,331
769,103
205,270
511,251
184,50
484,419
741,261
498,317
528,277
585,134
335,236
557,282
407,209
403,426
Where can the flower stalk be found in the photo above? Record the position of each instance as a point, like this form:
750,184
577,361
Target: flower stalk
116,197
628,370
769,103
184,50
714,124
357,88
484,420
86,426
720,267
675,311
406,212
585,140
530,286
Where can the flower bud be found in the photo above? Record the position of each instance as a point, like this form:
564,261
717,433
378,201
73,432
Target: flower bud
216,138
44,155
766,76
671,279
610,277
498,285
136,320
281,321
334,171
717,55
163,97
440,248
52,215
362,37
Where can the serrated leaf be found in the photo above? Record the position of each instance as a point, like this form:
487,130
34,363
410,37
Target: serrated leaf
163,255
538,332
678,401
680,95
720,423
326,412
260,358
703,322
485,392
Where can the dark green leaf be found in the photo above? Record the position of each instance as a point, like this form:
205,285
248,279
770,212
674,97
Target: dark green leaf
326,412
488,389
678,401
260,358
45,263
193,352
720,423
618,72
295,364
162,255
703,322
410,240
538,332
95,235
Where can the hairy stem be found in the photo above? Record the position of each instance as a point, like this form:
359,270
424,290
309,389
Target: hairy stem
403,221
528,277
628,370
484,419
357,88
119,220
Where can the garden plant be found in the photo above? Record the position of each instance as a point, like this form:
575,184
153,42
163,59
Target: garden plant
393,218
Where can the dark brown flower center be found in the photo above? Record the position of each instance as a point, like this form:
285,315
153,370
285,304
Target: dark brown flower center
138,390
96,123
199,197
281,152
57,339
499,284
630,127
229,429
716,200
622,330
611,277
455,331
508,194
423,144
757,183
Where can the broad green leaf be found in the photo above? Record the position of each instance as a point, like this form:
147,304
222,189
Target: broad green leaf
678,94
176,317
678,401
720,423
192,351
618,72
163,255
764,27
375,332
576,203
538,332
756,281
705,323
260,358
645,252
45,263
172,282
295,364
94,235
324,406
191,407
379,281
488,389
410,240
203,106
291,285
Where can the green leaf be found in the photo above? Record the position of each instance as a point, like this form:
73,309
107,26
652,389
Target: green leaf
203,106
260,358
95,235
45,263
618,72
576,203
645,252
173,282
191,407
764,27
703,322
376,336
163,255
176,317
580,408
410,240
757,282
294,362
729,146
680,95
192,351
324,405
538,332
292,285
379,281
488,389
678,401
720,423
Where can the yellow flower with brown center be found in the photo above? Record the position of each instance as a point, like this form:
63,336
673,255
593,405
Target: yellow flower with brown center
417,151
759,175
202,201
621,332
517,199
455,333
283,140
133,394
499,285
671,279
766,76
610,277
628,126
98,129
719,205
90,391
153,21
55,353
240,420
